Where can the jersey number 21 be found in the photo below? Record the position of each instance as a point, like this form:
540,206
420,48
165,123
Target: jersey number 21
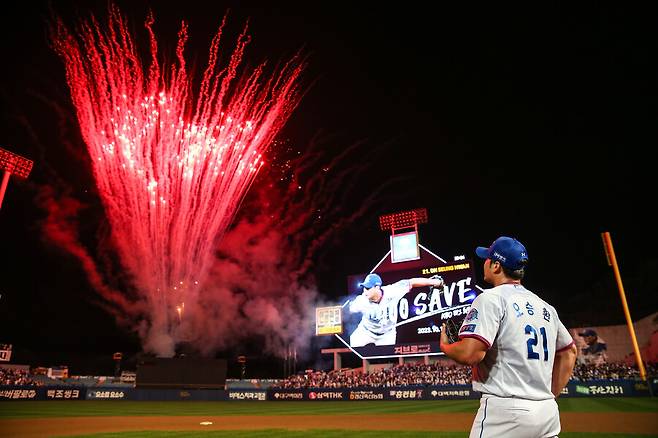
532,342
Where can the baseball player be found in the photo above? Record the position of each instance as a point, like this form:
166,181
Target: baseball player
522,355
596,351
379,307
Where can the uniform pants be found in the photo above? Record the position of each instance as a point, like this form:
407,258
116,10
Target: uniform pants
361,337
515,418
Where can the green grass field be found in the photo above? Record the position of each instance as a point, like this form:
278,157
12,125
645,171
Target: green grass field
49,409
27,409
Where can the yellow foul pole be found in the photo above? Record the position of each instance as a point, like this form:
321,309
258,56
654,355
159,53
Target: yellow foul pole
612,261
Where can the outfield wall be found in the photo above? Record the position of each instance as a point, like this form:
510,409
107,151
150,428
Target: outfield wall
594,388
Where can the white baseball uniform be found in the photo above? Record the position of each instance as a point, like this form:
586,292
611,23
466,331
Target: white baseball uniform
377,324
522,333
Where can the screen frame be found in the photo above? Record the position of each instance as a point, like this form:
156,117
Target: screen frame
401,237
462,290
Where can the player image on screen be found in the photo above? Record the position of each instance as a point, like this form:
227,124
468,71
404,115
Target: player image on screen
378,304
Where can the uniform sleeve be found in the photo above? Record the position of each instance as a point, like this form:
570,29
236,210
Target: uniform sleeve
398,289
483,320
358,304
564,339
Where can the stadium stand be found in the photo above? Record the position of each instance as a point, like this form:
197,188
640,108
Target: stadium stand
399,375
18,377
434,374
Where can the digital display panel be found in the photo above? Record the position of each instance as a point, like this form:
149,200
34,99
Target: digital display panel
5,352
328,320
404,247
407,319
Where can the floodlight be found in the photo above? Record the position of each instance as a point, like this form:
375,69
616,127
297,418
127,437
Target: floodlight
12,164
403,219
404,245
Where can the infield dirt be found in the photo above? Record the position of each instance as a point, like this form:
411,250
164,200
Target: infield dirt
631,422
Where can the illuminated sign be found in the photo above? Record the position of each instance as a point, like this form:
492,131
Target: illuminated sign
328,320
18,394
63,394
407,319
5,352
404,247
247,395
106,394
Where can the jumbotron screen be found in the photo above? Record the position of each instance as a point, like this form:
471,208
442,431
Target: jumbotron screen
408,320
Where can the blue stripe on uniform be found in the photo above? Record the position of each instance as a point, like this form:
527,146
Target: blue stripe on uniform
484,418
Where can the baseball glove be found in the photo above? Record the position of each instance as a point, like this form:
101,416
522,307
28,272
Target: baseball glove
440,288
452,328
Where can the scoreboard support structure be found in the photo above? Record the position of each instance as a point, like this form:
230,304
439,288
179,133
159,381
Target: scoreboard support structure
336,352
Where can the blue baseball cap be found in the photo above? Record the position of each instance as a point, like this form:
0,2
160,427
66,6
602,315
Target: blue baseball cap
508,251
371,280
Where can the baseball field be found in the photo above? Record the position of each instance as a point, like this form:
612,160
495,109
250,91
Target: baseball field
581,417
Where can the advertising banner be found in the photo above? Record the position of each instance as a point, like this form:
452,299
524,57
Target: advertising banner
309,394
606,388
19,393
443,392
247,395
64,392
111,394
451,392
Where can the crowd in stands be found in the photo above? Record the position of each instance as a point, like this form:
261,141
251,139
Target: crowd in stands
611,371
23,377
10,376
436,374
400,375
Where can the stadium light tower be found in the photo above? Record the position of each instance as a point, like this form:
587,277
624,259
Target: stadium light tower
12,164
404,233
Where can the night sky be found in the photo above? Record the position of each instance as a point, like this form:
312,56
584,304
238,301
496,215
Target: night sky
533,122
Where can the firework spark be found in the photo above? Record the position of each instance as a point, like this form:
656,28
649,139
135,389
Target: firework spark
171,165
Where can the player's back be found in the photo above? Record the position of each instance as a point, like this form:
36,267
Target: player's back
520,360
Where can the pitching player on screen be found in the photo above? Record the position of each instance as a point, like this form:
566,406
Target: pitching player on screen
379,307
522,355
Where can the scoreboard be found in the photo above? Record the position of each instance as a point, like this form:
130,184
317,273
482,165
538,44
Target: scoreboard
418,315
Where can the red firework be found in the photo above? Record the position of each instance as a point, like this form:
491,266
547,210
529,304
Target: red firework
171,167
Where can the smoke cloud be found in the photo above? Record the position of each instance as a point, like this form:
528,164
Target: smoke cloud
262,287
263,284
